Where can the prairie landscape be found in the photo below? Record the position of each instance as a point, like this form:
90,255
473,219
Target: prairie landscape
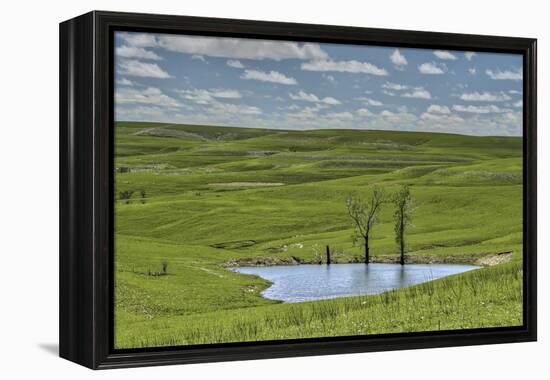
193,202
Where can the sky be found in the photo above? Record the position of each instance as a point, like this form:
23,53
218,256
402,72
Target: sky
301,86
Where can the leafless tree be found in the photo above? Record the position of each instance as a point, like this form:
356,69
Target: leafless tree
364,214
404,209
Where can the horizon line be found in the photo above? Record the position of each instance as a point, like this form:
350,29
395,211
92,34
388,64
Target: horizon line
313,129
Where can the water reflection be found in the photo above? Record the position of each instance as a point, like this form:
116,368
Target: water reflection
313,282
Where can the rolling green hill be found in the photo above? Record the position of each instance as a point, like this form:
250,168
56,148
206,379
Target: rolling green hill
204,197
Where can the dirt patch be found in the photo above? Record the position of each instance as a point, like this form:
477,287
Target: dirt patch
164,132
481,259
261,153
179,172
499,258
234,244
145,168
264,261
426,259
245,184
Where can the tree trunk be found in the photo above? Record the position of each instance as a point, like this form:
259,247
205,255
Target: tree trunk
367,250
328,255
402,243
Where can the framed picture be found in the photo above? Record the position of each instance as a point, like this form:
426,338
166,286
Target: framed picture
238,189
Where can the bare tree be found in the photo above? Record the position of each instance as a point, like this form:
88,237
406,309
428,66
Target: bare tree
125,195
404,209
365,214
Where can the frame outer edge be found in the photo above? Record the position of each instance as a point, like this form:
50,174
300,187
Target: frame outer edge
76,306
531,181
66,326
103,215
85,191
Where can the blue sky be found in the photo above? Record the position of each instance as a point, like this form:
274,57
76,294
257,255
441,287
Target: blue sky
300,86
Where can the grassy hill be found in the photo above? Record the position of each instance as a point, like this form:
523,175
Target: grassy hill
205,197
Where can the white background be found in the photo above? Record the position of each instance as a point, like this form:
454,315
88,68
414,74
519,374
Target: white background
29,187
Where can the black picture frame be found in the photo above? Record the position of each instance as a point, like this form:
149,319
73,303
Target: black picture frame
86,189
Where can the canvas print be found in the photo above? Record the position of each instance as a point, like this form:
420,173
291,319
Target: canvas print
276,190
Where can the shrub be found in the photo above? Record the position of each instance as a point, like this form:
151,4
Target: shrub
125,195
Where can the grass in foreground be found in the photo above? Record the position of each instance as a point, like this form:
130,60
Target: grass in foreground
488,297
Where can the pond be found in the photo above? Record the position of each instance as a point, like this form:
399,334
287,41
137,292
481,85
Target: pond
297,283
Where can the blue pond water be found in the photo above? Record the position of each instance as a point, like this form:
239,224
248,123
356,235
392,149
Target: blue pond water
314,282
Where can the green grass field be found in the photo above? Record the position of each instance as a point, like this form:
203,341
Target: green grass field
205,198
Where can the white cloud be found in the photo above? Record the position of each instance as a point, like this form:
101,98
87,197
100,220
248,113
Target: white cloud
418,93
479,109
363,112
403,109
512,117
272,76
514,92
199,57
241,48
501,124
140,113
386,113
150,96
518,104
304,96
435,108
330,78
341,116
446,119
398,59
223,109
432,68
308,97
226,94
505,75
124,82
484,97
330,100
140,39
469,55
306,113
444,54
214,109
235,64
141,69
395,86
225,47
415,92
202,96
352,66
398,118
472,71
370,102
136,52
